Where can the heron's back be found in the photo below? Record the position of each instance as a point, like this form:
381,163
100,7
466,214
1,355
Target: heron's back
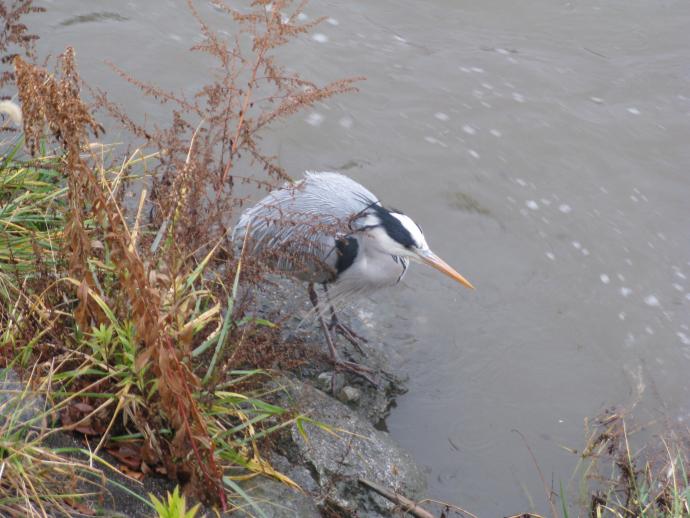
294,229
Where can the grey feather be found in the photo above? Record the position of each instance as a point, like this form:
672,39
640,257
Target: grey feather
294,231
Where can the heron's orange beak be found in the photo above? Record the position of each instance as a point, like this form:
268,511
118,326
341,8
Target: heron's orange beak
430,258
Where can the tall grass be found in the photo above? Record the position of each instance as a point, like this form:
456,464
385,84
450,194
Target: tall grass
121,313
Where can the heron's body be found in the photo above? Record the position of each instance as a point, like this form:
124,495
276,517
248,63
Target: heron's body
311,230
328,229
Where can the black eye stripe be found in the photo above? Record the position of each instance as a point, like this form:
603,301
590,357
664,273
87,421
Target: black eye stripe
394,228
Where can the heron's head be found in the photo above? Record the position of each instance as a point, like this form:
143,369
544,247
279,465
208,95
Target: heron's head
394,233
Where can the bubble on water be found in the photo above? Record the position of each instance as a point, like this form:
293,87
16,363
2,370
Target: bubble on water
469,129
633,110
684,339
473,153
577,244
314,119
550,256
346,122
652,301
434,140
521,182
518,97
565,208
441,116
649,330
621,315
678,287
532,205
319,37
495,132
597,100
332,21
478,70
604,278
629,340
625,291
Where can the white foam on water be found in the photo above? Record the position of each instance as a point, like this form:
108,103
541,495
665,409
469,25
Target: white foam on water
478,70
346,122
319,37
332,21
684,339
495,132
521,182
314,119
532,205
633,110
597,100
565,208
678,287
585,251
469,129
625,291
605,278
518,97
441,116
621,315
652,301
473,153
577,244
550,256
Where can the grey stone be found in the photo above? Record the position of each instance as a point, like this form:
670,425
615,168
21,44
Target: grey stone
324,380
277,500
353,450
349,394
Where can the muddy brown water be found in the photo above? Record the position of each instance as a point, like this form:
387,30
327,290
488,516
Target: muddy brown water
544,147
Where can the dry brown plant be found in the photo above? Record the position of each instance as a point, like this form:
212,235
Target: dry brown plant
213,142
211,145
15,34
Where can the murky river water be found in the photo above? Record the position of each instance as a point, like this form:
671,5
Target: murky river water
544,147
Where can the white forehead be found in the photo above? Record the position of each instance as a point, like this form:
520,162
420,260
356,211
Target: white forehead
412,228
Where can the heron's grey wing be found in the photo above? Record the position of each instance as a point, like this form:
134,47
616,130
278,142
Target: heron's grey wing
294,229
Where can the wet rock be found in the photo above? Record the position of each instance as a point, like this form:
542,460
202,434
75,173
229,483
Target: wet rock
349,394
359,451
277,500
19,404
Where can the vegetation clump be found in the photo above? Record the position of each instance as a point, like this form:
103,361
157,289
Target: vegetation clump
119,314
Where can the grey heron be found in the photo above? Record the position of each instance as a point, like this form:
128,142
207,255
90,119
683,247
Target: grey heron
328,229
